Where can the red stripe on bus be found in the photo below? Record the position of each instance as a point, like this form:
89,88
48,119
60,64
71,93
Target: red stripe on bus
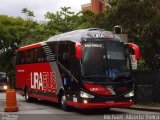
44,98
29,47
100,105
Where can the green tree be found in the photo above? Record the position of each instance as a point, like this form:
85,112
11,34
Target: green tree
28,12
61,21
11,33
140,20
33,32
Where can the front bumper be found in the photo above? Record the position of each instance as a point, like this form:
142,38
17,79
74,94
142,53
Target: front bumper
100,105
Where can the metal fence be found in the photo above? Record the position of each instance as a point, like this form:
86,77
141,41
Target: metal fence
147,86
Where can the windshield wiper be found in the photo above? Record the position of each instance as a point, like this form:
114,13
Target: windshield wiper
95,76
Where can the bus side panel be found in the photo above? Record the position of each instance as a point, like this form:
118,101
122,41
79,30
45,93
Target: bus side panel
20,79
59,83
39,78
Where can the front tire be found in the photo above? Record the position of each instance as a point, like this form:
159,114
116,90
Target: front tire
63,102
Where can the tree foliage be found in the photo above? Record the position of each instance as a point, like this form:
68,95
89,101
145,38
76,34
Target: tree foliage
11,33
27,12
140,20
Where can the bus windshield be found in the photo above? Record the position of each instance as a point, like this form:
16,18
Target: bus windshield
105,58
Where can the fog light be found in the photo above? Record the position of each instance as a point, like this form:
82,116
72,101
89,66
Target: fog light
5,87
85,101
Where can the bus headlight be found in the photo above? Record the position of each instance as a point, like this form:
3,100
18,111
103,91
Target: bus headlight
5,87
85,95
130,94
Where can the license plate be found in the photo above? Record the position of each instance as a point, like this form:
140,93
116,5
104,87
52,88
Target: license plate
109,101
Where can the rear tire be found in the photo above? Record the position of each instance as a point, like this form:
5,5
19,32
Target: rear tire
29,99
27,96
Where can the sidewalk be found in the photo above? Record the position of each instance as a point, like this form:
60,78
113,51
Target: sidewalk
152,108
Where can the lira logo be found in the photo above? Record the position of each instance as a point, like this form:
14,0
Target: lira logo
43,81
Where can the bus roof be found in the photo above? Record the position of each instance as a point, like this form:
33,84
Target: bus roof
75,36
82,34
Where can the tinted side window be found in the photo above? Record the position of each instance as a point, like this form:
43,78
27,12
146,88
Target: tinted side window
66,52
41,56
18,58
35,55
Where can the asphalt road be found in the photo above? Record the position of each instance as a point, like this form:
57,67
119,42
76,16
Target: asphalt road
43,110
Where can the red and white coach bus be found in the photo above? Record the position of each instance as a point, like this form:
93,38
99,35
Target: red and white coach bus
87,68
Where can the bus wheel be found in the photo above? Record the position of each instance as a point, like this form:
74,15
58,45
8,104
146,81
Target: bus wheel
28,99
63,101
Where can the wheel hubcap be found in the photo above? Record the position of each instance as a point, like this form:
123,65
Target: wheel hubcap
63,100
26,95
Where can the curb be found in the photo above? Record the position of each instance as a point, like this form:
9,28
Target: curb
145,109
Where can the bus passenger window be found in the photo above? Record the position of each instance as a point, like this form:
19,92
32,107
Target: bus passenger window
31,55
25,57
35,59
19,57
41,55
64,55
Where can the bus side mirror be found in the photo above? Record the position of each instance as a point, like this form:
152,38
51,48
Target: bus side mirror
135,49
78,50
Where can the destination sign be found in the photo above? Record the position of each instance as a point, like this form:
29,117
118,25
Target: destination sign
93,45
